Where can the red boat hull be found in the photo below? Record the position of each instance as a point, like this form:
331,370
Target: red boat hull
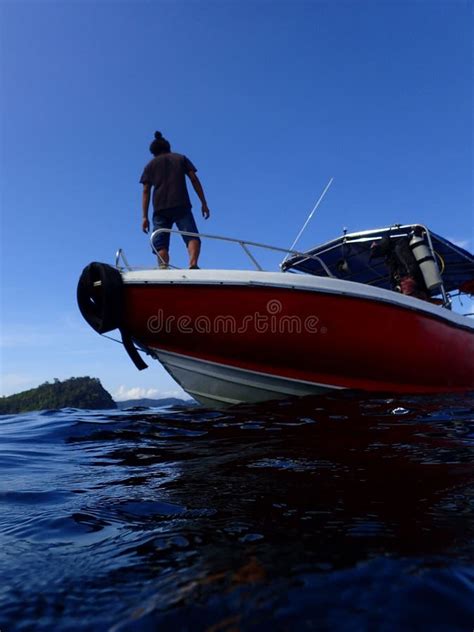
327,339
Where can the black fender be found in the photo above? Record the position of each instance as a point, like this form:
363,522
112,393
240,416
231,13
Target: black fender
100,296
100,300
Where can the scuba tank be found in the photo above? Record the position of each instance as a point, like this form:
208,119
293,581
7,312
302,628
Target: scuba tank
426,262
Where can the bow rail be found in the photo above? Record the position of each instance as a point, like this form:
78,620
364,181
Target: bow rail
243,243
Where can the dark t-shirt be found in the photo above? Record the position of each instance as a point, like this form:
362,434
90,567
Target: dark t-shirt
166,173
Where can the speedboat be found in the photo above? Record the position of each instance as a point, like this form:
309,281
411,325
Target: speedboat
368,310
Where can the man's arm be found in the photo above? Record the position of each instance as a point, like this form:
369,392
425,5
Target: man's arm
197,186
145,205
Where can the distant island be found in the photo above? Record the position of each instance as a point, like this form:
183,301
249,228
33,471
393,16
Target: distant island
77,392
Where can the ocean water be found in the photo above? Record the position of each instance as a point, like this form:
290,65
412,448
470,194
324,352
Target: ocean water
332,513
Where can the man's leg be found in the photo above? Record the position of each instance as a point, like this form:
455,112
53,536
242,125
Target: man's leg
194,248
187,224
162,242
163,257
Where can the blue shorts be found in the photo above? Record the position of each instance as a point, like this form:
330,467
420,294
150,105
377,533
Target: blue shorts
179,215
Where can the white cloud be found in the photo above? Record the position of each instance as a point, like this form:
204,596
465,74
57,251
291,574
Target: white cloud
180,394
137,392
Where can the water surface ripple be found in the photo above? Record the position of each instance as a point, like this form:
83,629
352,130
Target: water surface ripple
329,513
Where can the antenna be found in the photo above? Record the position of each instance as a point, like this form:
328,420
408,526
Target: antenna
308,220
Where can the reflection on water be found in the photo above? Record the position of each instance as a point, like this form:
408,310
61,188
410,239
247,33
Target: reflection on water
329,513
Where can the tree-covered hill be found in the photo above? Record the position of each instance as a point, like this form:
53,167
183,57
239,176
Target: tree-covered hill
77,392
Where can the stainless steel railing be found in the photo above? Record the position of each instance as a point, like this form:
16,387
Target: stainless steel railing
121,255
243,243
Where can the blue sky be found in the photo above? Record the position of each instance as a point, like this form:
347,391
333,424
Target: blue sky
269,100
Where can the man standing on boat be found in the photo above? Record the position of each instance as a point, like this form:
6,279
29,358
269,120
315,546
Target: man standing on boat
171,204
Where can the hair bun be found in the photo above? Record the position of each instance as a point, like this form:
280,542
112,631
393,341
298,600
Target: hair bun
158,135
